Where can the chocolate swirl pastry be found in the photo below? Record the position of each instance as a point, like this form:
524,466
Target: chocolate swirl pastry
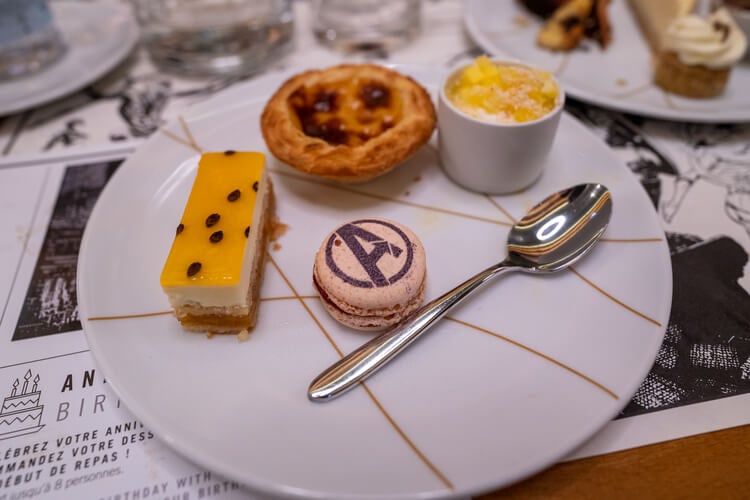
567,22
543,8
350,122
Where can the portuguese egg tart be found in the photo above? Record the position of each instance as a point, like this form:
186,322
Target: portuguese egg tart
350,122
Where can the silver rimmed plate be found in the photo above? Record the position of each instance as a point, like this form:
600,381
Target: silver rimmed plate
619,77
513,381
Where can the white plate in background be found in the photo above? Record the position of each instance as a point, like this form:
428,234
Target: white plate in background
618,77
98,34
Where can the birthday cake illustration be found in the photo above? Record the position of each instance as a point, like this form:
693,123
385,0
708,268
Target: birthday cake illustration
21,412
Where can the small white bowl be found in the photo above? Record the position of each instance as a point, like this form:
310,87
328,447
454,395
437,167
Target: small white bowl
491,157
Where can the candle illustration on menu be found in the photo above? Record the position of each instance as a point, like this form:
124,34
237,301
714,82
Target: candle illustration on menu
21,412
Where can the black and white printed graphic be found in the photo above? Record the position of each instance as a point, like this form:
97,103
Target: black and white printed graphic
21,411
706,351
143,99
50,305
368,248
727,166
141,102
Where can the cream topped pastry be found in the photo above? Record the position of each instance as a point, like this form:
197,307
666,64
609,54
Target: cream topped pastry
698,54
654,16
214,269
714,41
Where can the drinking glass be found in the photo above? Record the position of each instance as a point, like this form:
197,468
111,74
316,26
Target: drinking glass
366,24
215,37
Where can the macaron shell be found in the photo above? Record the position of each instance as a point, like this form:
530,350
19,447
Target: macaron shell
377,322
371,265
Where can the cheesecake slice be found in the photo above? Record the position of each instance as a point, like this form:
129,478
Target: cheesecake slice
654,16
214,270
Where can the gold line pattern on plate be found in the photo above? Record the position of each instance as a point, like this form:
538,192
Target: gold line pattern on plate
426,461
500,207
631,240
289,297
180,140
408,441
301,301
552,360
164,313
189,142
392,200
613,299
188,133
588,281
130,316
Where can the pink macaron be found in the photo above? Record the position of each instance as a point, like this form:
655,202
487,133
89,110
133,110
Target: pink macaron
370,273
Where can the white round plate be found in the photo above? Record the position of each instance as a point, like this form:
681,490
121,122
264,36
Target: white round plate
619,77
98,34
518,377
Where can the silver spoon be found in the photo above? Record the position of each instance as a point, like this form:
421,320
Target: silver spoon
554,234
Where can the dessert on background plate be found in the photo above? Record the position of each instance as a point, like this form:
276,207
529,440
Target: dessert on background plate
568,22
694,53
543,8
740,11
348,123
214,269
698,53
654,17
370,273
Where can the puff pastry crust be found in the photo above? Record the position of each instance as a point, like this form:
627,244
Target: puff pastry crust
350,122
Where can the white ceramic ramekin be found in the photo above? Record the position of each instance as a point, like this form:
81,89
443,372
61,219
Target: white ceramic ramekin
489,157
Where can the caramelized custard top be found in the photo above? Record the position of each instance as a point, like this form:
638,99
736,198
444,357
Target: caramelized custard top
348,112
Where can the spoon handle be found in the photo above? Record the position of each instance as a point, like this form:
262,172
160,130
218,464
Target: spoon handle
370,357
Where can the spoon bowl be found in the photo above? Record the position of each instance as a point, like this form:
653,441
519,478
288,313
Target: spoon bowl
560,229
554,234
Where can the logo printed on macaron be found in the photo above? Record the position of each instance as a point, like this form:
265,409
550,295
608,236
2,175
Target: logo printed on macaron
390,241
